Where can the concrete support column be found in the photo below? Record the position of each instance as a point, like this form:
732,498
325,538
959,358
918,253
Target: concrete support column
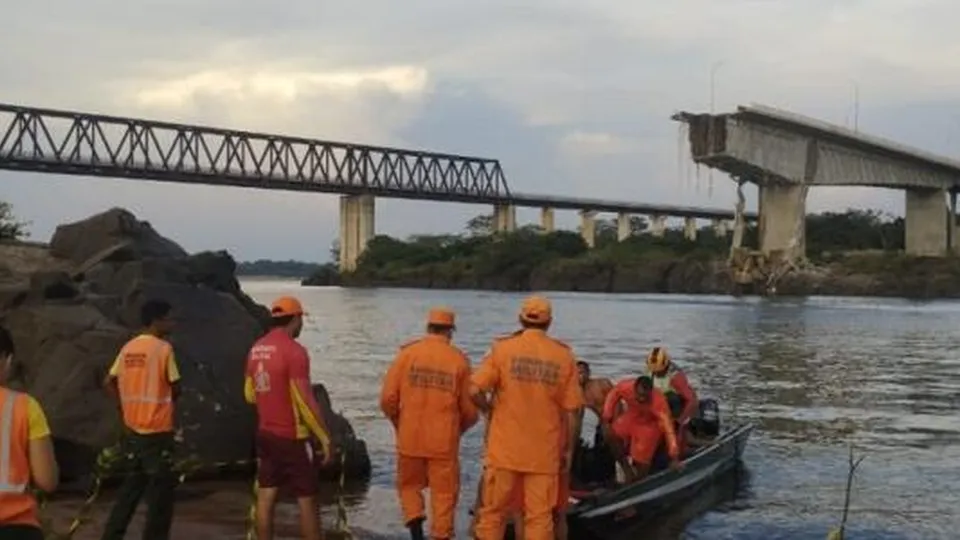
782,208
658,225
588,227
690,228
952,222
504,218
926,222
357,227
623,226
546,220
720,227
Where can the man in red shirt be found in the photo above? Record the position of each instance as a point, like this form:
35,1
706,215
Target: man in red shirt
278,383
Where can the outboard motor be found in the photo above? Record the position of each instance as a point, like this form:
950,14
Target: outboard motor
707,422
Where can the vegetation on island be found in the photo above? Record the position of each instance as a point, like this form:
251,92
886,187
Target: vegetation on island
850,252
270,268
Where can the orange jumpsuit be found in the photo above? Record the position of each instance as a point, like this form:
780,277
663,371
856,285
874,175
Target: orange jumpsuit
425,395
563,489
535,380
642,424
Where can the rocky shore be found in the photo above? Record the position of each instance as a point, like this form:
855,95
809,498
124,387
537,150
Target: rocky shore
72,303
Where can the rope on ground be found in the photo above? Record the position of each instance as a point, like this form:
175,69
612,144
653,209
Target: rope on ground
343,527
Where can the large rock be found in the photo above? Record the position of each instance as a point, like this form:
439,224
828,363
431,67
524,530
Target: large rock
71,314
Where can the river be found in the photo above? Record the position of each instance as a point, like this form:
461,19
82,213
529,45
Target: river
814,374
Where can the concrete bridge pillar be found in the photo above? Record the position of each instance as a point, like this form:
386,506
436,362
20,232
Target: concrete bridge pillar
623,226
690,228
658,225
782,207
357,227
926,222
588,227
546,220
720,227
504,218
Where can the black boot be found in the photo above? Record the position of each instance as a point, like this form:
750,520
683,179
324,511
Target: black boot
416,529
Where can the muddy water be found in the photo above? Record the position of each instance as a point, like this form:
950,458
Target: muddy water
815,375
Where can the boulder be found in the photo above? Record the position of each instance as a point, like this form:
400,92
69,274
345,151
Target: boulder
79,303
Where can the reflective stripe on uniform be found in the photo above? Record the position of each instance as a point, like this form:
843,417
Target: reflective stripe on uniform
151,386
6,445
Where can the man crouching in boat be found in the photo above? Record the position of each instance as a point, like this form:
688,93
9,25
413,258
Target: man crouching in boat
645,421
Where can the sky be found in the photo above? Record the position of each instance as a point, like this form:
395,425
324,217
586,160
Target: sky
573,97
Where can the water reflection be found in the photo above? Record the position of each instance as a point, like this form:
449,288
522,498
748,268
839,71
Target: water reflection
814,374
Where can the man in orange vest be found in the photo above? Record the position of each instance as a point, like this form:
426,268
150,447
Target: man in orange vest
145,378
278,383
26,454
535,380
426,397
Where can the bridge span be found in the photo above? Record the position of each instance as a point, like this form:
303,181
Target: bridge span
786,153
74,143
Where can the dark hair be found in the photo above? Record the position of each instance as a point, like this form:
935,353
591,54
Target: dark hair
535,325
645,381
438,328
281,322
6,342
585,365
153,311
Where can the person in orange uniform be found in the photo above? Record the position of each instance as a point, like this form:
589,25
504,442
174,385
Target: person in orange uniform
561,505
145,378
26,454
645,422
673,383
535,380
425,396
277,382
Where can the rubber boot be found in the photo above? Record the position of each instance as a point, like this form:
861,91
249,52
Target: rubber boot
416,529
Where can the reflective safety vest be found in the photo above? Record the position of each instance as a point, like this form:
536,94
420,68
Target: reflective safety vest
145,393
17,505
664,382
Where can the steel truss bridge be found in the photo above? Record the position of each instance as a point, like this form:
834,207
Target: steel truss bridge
73,143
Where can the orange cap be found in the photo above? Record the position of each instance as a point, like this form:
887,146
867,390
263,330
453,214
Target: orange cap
441,317
536,309
286,306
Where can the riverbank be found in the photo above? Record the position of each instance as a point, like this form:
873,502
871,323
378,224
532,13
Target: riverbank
560,262
215,509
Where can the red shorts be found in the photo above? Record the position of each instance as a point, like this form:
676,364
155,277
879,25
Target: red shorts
287,464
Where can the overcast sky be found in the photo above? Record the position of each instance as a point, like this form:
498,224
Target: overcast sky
573,97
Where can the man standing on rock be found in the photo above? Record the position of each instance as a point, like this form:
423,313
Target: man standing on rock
26,454
426,397
278,383
145,378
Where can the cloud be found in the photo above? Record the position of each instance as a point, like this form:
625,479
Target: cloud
572,97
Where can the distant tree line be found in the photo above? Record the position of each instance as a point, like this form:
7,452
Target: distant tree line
514,259
289,268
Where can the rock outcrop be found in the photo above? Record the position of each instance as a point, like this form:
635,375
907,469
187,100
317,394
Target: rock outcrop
72,305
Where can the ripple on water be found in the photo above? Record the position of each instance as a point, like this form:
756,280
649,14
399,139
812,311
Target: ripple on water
815,374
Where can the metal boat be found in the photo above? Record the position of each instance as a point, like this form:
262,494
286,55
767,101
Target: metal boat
605,512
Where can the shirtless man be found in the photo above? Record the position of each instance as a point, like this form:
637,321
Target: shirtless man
594,390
